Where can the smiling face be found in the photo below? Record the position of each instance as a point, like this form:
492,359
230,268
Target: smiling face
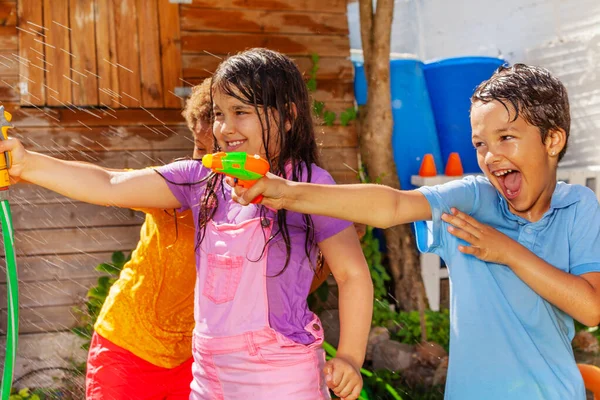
203,138
512,155
237,126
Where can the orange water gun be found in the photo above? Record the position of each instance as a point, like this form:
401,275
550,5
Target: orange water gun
244,168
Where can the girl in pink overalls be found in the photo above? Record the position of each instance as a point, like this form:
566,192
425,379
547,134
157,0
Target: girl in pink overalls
254,336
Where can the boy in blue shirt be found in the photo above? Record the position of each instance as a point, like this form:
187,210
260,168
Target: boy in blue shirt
523,250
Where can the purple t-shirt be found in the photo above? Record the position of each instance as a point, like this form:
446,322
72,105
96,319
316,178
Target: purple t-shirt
287,292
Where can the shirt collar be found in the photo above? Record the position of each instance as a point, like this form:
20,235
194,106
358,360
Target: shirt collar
563,196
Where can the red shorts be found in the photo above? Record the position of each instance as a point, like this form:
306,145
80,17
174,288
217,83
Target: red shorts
114,373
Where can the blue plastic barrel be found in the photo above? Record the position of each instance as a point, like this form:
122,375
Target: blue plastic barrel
451,83
414,132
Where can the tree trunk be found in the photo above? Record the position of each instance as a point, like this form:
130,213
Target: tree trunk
375,126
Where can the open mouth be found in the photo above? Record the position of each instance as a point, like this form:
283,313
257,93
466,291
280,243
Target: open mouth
510,182
235,144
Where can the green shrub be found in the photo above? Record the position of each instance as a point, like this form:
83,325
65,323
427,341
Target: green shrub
97,295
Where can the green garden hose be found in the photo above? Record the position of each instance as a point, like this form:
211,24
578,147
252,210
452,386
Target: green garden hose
12,331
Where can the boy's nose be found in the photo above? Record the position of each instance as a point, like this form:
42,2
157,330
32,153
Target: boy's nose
492,157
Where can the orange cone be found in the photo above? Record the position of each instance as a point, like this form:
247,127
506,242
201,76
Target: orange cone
427,166
591,378
454,165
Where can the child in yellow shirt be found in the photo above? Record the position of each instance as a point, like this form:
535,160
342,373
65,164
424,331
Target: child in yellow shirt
143,336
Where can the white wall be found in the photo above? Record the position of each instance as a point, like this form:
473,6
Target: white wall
561,35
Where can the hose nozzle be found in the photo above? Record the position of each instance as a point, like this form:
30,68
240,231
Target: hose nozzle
6,161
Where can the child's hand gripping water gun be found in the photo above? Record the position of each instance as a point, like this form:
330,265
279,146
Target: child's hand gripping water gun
244,168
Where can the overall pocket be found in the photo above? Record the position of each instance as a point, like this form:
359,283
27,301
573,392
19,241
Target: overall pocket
222,277
277,355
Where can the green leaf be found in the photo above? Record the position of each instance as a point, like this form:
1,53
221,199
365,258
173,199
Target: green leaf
315,58
24,393
96,302
347,115
98,292
104,282
318,107
108,268
82,331
329,117
118,258
35,397
311,84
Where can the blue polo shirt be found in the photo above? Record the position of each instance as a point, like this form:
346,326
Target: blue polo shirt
507,342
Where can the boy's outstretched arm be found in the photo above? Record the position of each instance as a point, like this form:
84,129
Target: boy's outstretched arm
90,183
375,205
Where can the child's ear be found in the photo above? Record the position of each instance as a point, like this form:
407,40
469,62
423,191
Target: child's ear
555,142
293,113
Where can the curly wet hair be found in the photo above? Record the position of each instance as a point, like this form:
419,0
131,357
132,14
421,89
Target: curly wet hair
198,107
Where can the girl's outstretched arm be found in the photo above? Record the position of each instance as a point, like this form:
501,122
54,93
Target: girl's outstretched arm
90,183
375,205
344,255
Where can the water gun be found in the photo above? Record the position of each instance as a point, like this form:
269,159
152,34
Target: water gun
12,332
239,165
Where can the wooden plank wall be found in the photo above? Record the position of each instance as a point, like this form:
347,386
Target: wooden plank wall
77,52
212,29
60,241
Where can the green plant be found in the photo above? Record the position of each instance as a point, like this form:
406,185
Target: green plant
379,275
318,108
364,395
375,387
97,295
348,115
44,394
328,116
311,84
591,329
24,394
407,327
389,385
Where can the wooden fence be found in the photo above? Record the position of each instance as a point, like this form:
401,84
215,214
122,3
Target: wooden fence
100,81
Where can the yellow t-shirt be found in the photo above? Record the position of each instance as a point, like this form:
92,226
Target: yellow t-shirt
150,308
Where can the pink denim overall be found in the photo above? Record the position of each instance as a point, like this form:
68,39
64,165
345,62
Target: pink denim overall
237,355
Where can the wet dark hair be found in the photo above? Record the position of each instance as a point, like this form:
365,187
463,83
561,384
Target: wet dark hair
270,81
535,94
